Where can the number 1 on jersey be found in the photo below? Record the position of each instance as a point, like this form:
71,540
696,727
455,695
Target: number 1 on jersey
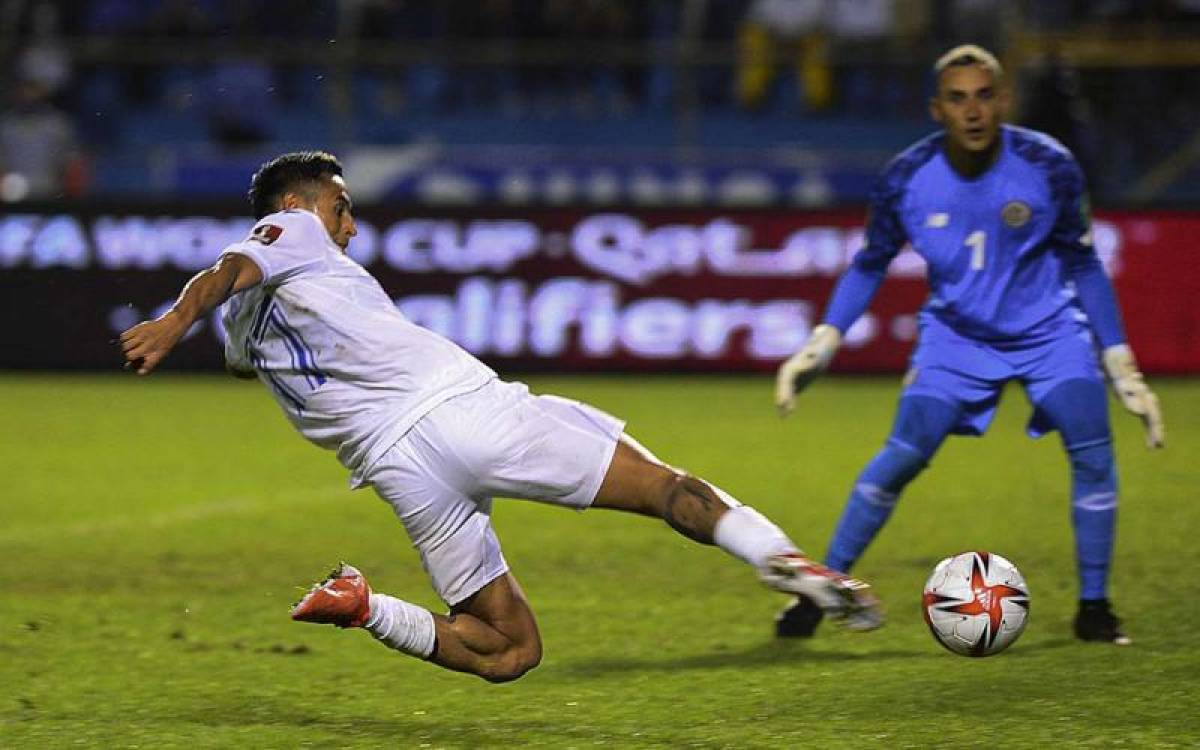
976,241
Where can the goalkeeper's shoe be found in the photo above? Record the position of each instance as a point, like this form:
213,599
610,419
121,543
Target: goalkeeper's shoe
342,599
1095,621
846,600
799,620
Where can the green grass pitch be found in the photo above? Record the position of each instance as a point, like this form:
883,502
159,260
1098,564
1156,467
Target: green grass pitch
154,532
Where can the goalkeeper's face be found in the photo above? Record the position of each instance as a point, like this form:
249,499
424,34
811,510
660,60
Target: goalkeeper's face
970,104
334,208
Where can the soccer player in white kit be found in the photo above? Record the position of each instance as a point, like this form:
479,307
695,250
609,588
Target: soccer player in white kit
437,434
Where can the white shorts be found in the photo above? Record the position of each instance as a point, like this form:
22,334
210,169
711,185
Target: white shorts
497,440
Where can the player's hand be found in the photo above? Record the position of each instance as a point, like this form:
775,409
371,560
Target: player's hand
804,366
1131,388
145,344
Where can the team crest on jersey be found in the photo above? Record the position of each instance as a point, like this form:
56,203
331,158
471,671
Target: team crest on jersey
266,233
1016,214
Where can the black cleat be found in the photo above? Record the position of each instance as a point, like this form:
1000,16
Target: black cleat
1095,621
800,620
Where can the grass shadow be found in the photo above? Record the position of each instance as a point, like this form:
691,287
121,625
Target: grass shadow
766,654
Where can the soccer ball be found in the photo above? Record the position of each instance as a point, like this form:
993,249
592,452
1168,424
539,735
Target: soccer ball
976,603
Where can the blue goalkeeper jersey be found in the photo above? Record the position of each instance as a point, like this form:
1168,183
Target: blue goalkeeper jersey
1001,248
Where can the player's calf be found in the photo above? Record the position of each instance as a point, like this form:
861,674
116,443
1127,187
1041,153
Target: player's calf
510,664
692,507
637,482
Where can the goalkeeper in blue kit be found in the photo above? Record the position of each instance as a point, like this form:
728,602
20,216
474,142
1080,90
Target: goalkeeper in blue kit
1000,215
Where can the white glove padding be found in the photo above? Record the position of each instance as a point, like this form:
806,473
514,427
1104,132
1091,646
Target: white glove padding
804,366
1131,388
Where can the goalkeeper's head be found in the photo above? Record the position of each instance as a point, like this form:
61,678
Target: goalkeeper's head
970,100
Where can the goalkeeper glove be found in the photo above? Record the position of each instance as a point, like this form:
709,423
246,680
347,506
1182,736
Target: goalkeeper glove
1131,388
804,366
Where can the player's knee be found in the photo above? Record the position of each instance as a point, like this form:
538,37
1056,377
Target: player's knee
922,423
512,663
892,469
1078,409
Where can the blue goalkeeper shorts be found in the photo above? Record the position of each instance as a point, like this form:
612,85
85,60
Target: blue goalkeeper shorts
970,374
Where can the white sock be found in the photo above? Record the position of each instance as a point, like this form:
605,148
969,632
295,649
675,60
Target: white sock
402,626
750,536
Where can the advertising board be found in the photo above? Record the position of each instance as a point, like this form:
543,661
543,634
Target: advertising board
561,289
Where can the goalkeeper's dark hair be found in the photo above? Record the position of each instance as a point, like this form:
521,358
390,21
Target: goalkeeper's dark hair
297,172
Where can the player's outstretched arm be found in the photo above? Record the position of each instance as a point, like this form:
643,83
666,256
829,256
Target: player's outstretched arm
1131,388
804,366
147,343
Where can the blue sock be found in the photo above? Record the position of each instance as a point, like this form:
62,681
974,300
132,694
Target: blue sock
1093,515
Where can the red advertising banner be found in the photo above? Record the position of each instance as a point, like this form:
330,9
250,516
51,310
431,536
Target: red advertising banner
564,289
1157,277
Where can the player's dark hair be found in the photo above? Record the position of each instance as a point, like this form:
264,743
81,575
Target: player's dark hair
295,172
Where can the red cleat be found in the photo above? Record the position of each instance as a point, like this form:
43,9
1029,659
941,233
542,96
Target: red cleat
343,599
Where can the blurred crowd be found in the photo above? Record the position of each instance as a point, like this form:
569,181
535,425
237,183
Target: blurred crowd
93,75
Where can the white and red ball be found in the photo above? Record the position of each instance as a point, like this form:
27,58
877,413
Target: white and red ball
976,603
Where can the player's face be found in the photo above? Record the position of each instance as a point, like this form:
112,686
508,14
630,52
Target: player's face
970,105
333,208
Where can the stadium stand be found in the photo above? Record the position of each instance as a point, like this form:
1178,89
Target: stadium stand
177,96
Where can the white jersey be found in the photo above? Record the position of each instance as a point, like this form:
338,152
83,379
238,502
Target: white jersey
350,371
